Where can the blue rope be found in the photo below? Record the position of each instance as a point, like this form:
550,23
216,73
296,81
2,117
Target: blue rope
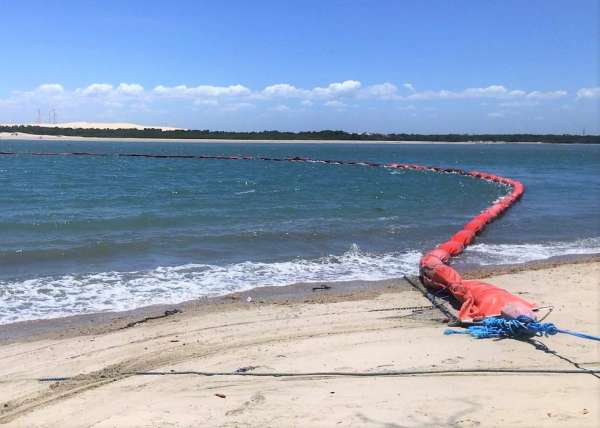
519,328
579,334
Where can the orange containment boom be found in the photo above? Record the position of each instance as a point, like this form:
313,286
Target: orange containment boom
478,299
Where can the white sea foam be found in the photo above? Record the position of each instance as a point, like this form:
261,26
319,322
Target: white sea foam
49,297
493,254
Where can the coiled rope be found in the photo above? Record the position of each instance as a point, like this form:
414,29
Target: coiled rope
520,328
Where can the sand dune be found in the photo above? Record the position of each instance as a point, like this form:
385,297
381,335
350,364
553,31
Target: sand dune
94,125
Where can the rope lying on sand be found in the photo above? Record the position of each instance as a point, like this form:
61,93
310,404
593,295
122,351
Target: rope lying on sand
391,373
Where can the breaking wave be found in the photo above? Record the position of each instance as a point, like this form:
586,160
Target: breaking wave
496,254
55,296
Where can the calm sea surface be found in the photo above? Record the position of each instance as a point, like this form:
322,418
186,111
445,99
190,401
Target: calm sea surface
85,234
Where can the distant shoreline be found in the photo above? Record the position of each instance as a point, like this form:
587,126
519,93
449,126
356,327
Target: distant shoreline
30,132
5,136
30,137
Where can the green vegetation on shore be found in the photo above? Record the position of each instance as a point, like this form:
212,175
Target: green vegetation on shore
305,135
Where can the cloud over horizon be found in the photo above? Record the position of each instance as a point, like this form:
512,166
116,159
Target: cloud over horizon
129,99
589,92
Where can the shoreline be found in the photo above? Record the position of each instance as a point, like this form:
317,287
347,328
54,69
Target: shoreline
6,136
103,322
67,380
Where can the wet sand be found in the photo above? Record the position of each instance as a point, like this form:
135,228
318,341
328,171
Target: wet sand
384,327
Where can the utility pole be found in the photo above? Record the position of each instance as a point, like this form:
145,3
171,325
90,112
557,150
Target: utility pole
39,116
54,116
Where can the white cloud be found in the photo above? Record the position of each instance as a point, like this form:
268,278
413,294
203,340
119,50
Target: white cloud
50,88
96,89
130,88
488,91
552,95
284,90
125,98
338,88
492,91
589,92
166,90
200,91
333,90
218,91
430,95
496,114
383,90
516,93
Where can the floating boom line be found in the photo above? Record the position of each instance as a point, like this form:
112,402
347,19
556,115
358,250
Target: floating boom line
478,299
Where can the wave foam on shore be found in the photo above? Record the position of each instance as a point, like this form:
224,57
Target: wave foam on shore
55,296
498,254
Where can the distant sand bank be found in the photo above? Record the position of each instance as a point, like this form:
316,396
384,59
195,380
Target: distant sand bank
94,125
340,329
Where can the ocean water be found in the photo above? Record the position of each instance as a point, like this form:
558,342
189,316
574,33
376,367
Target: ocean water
89,234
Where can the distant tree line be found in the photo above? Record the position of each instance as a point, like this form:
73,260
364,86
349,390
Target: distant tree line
304,135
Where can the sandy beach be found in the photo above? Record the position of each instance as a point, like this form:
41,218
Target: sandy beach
371,330
299,214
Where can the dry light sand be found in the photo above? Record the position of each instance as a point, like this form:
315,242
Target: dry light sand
337,334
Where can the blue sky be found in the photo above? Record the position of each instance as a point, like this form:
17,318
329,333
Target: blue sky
388,66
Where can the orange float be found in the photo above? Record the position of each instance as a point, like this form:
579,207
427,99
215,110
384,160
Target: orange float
478,299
